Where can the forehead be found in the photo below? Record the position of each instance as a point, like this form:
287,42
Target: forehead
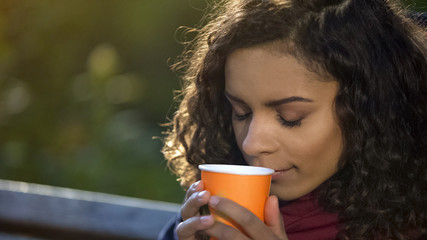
272,74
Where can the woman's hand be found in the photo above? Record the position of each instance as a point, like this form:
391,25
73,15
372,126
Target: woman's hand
193,222
253,226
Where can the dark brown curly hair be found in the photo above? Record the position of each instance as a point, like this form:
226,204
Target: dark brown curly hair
378,56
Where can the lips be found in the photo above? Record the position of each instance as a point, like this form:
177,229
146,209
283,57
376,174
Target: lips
279,173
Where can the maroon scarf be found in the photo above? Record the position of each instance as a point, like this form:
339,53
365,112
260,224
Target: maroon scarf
305,220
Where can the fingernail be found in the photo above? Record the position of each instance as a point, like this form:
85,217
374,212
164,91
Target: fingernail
196,184
206,219
213,201
201,194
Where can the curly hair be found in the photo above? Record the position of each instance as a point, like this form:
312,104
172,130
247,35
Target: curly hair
378,56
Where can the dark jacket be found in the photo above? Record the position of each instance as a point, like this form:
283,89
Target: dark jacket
168,231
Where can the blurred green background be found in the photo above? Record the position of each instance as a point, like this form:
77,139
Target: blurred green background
84,87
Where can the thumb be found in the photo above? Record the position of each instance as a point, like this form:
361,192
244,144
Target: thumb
273,217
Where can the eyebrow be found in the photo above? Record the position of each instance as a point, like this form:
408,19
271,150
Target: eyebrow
273,103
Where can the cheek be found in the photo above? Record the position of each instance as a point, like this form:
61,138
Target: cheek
239,132
320,147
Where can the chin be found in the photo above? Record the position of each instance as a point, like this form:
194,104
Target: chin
289,193
285,195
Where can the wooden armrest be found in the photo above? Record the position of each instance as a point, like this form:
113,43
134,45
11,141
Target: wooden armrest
61,213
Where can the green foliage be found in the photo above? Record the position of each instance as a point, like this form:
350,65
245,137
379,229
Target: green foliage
416,5
84,87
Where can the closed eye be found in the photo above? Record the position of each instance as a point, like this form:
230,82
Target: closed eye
241,117
289,124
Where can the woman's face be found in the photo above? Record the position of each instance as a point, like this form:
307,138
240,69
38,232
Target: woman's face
284,119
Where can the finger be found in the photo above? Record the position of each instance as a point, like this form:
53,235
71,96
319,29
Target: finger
249,222
195,187
273,217
187,229
192,206
225,232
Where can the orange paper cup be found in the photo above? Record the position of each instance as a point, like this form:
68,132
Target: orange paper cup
246,185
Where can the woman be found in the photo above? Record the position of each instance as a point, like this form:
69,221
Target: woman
330,94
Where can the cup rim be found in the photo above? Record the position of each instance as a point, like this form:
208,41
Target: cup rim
236,169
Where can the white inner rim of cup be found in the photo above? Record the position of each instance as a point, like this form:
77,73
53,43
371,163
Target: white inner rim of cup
236,169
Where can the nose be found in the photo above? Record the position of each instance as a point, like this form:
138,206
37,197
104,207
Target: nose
259,138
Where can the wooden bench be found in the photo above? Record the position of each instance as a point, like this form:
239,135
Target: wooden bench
34,211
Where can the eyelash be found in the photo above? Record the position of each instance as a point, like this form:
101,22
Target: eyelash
241,117
289,124
284,122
